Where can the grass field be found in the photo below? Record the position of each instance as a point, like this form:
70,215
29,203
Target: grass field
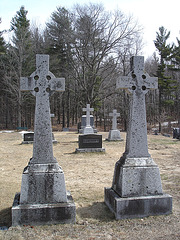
86,175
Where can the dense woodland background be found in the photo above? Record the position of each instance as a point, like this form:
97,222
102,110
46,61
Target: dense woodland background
91,48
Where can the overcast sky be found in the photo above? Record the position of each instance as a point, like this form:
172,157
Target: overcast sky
150,14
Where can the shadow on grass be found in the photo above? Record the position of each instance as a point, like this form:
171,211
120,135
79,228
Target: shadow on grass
5,217
98,211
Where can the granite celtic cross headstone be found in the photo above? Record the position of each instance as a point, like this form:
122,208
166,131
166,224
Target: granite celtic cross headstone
88,129
114,133
114,114
136,190
43,198
137,84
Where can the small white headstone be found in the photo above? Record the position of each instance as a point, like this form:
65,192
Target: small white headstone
114,133
88,129
114,120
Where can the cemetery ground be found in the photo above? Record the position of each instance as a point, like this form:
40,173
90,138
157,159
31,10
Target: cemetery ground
86,175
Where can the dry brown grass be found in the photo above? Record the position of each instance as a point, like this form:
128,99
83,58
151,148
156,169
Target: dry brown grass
86,175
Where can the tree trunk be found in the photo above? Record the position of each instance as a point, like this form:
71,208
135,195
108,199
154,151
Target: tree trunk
160,109
19,109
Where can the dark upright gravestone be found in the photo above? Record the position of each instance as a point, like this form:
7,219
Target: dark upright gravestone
176,133
93,141
82,124
43,198
29,138
136,189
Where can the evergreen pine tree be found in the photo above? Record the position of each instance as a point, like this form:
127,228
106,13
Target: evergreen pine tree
2,43
20,55
165,83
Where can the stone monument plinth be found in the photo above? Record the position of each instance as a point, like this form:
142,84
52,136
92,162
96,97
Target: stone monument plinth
136,189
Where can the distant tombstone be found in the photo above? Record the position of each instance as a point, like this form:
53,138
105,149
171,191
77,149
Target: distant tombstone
52,116
79,127
89,141
114,133
65,129
88,128
83,124
136,189
29,138
83,121
43,198
176,133
155,132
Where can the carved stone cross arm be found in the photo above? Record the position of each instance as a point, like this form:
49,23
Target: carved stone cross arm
42,82
130,84
137,79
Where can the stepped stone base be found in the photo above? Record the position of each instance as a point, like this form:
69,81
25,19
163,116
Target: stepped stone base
137,207
40,214
114,135
84,150
31,142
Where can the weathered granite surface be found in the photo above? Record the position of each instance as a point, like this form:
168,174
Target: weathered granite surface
136,180
90,143
83,124
114,133
43,181
88,128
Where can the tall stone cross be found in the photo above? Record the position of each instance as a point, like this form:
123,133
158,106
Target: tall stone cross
137,83
42,84
43,198
46,184
136,189
88,110
114,114
88,129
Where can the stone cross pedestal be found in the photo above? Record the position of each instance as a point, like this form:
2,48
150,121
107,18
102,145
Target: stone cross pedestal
114,133
88,129
136,189
43,198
